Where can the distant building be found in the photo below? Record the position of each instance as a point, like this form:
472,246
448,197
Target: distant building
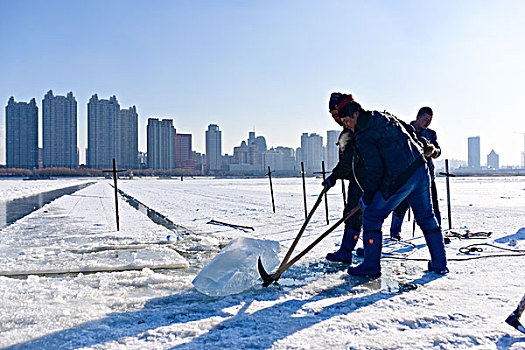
493,160
248,157
21,124
298,157
474,153
112,133
241,154
143,160
332,149
2,145
280,159
59,129
128,138
161,144
260,148
183,151
199,160
312,152
102,132
213,148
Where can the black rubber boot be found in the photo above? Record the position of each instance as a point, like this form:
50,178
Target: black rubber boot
514,321
344,254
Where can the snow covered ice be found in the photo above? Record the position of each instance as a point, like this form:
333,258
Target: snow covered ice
316,304
234,269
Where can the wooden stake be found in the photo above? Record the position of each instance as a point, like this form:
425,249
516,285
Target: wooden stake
326,197
271,187
115,171
304,190
448,175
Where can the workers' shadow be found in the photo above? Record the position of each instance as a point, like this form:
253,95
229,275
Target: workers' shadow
261,329
507,341
158,312
286,317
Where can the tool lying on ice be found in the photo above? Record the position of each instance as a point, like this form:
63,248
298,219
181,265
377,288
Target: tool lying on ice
268,279
231,225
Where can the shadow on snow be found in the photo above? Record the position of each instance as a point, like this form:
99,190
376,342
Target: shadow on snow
259,329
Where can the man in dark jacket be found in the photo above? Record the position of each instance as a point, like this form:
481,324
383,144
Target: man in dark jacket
429,138
395,170
350,167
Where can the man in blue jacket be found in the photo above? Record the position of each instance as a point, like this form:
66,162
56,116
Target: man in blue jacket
432,150
350,167
395,170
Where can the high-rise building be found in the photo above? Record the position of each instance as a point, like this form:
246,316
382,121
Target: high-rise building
59,129
260,148
161,144
128,138
298,157
21,124
213,148
241,154
112,133
102,132
474,153
183,151
332,149
251,151
2,144
493,160
312,151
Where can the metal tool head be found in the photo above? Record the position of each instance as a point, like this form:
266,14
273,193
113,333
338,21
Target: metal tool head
267,279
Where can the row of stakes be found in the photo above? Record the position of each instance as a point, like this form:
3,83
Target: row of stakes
114,171
447,174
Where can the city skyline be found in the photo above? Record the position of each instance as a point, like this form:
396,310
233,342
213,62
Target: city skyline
270,67
128,118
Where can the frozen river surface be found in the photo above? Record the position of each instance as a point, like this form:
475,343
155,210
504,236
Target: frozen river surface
82,284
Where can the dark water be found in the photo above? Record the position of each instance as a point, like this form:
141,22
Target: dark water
13,210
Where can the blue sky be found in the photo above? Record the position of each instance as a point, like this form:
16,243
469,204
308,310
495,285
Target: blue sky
271,65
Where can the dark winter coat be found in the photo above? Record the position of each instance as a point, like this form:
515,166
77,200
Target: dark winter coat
389,149
348,159
430,136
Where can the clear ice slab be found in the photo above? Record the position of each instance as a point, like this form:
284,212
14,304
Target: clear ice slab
234,269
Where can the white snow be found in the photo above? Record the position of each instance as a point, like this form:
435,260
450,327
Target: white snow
18,188
316,304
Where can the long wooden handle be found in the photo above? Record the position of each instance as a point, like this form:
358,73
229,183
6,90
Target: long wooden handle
301,231
281,269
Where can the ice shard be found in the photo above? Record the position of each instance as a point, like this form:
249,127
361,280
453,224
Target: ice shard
234,269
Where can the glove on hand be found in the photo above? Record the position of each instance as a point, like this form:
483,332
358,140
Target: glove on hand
429,150
329,182
366,199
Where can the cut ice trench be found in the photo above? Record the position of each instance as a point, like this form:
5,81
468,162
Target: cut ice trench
15,209
186,248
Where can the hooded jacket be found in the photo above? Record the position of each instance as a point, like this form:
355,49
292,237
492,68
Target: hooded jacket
349,161
390,151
